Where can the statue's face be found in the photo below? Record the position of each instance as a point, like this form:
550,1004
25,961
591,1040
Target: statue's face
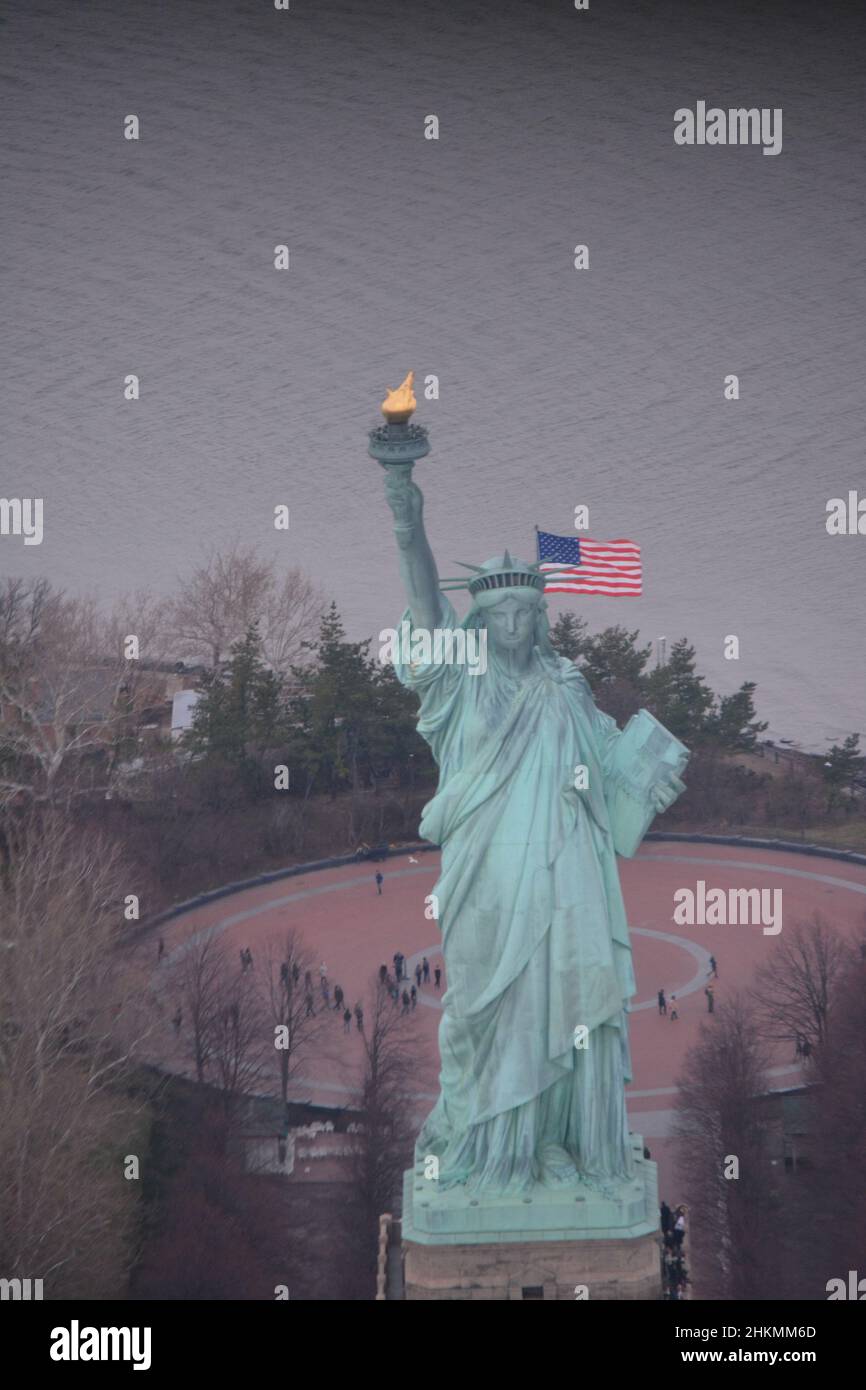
511,625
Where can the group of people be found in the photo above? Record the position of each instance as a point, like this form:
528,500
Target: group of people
663,1006
709,992
340,1005
675,1275
408,997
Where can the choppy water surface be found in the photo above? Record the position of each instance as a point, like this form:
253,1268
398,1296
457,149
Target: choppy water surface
454,257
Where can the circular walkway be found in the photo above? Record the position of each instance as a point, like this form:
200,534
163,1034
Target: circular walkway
353,929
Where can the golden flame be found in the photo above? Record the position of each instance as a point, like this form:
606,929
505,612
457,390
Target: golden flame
398,405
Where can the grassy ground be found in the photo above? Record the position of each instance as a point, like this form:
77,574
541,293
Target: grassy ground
850,834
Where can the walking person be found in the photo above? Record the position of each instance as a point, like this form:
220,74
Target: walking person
379,881
710,999
405,997
679,1229
714,969
418,973
674,1015
437,973
347,1020
425,970
338,997
383,973
413,995
663,1003
326,993
308,1000
359,1017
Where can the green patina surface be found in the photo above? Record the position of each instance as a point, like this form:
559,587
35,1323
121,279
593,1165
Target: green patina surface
538,792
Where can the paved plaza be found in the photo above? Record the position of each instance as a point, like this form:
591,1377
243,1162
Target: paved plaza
353,929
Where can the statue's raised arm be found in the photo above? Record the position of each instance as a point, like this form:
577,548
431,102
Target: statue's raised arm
396,445
417,565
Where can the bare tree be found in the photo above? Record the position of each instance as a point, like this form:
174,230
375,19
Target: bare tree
295,1028
70,1032
794,989
722,1156
834,1229
199,982
238,1039
824,1197
70,693
222,1018
384,1148
234,589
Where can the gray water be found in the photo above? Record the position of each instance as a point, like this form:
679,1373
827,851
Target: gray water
453,257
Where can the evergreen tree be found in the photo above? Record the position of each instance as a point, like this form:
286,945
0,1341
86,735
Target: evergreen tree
395,739
843,766
733,724
678,697
332,691
568,635
354,721
614,655
241,711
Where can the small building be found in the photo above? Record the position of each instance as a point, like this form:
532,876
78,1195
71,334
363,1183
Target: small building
183,704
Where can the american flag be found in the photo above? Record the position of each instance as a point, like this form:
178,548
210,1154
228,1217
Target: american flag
582,566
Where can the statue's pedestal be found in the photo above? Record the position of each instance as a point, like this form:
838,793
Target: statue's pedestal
552,1243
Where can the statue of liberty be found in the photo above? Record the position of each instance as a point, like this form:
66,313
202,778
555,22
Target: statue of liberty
534,1038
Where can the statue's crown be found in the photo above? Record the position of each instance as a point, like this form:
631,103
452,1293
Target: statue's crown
504,573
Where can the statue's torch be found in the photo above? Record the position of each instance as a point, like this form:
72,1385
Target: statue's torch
398,444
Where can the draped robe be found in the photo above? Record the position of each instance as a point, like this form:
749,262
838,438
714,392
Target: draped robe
534,931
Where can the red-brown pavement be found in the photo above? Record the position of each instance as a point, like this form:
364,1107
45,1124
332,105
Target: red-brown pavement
353,929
